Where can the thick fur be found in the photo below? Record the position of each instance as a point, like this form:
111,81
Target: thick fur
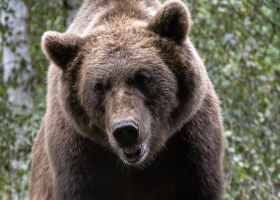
139,53
172,21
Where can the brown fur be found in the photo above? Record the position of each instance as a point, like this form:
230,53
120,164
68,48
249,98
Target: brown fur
120,61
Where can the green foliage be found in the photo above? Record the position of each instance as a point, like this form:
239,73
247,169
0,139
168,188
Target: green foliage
239,41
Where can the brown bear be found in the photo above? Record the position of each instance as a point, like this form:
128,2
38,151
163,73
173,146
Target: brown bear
131,112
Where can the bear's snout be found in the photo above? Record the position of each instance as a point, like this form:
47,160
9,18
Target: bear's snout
126,133
127,136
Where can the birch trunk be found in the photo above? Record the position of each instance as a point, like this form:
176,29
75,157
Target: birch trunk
16,68
16,51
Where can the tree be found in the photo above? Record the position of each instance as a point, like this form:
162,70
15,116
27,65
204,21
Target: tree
22,87
16,65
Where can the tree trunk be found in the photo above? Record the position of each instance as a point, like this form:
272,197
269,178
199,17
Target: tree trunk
16,65
16,57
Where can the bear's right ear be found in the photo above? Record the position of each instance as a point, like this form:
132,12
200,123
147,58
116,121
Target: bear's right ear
172,21
61,48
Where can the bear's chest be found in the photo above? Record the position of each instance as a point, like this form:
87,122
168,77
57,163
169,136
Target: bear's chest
162,179
141,185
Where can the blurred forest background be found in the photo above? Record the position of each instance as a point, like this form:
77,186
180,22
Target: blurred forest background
239,41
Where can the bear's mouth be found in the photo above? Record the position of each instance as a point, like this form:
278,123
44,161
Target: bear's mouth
133,154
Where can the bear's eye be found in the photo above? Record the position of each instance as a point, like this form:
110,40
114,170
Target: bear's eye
141,79
99,89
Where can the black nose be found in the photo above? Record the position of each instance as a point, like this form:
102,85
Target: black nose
126,133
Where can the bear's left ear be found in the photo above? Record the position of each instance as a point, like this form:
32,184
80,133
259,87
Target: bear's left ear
172,21
61,48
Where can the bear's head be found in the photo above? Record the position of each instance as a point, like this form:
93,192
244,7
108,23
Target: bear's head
129,85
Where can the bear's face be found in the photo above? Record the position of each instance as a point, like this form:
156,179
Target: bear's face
127,91
117,85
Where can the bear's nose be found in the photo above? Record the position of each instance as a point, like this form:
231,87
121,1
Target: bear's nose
126,133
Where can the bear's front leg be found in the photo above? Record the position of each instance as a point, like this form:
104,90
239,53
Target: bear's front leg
73,171
72,183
